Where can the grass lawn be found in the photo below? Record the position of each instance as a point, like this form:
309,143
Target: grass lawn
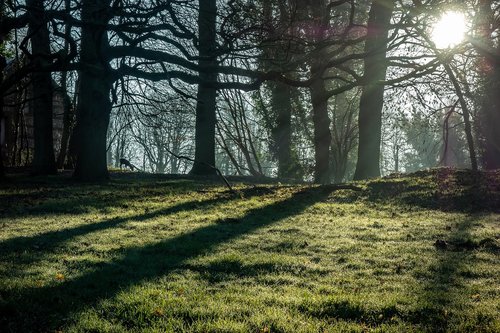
151,254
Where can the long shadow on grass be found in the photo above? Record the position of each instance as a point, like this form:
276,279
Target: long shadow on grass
75,198
442,189
443,294
35,247
48,308
440,298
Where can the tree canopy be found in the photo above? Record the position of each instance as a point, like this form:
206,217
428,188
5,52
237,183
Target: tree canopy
299,89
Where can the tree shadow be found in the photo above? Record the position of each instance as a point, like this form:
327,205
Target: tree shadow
48,307
62,196
442,294
440,189
230,269
437,300
39,244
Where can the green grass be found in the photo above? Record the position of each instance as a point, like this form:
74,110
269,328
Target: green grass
152,254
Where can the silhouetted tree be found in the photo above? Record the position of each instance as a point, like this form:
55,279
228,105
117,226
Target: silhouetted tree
94,103
42,90
278,53
2,124
204,155
489,68
372,97
68,108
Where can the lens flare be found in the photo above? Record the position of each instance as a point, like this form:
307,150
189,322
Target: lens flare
450,30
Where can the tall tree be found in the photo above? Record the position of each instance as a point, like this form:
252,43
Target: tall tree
42,90
3,63
344,133
372,96
68,109
331,28
94,104
490,70
322,134
2,120
277,56
281,103
207,92
319,94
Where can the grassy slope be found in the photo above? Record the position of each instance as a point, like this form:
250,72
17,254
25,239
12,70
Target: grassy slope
179,255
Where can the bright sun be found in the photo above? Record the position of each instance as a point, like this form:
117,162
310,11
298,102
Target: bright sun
450,30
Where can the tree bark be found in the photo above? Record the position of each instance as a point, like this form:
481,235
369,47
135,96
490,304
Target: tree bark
466,115
490,70
372,97
42,92
319,97
94,104
491,121
281,94
281,103
322,134
204,156
68,115
344,135
67,123
2,128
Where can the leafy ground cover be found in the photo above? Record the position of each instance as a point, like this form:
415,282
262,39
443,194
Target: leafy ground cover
158,254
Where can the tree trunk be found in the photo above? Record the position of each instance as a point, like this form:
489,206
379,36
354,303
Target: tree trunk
67,123
281,94
161,158
109,156
466,114
396,159
3,135
71,154
176,149
94,105
491,121
372,97
206,105
282,131
490,70
322,134
343,132
319,98
68,116
42,92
